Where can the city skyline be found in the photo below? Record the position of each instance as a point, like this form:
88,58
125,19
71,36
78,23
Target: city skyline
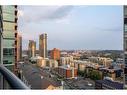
94,27
83,60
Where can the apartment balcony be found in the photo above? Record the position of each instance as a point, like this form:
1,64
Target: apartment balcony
10,81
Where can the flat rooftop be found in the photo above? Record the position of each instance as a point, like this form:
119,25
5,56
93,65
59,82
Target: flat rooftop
113,84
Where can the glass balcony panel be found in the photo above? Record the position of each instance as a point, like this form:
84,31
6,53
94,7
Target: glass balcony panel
8,26
8,80
8,43
8,17
8,34
8,9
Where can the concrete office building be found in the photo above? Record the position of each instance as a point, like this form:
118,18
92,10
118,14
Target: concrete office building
66,60
43,45
32,49
41,62
67,72
81,65
51,63
106,62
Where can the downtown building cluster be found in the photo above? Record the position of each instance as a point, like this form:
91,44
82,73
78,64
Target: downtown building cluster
68,65
71,64
51,60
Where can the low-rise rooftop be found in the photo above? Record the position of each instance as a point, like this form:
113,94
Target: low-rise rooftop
110,84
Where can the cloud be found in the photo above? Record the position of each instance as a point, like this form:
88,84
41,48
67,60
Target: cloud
71,27
61,12
118,28
39,13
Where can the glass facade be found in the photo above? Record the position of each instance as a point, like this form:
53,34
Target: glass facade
8,26
9,23
8,51
8,60
125,34
9,34
8,17
8,9
125,28
8,43
125,45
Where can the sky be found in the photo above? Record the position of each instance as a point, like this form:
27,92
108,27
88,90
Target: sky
73,27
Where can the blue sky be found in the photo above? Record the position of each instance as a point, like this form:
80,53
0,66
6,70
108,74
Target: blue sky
73,27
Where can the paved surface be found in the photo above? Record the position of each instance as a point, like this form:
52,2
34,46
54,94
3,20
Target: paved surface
32,75
79,84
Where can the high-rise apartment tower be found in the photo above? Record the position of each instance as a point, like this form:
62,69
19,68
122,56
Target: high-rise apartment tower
32,49
43,45
9,25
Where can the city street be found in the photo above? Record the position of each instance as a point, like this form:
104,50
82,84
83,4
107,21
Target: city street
32,75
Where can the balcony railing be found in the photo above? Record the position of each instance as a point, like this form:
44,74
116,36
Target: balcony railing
13,81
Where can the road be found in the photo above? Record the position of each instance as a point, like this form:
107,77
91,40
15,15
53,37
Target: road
32,75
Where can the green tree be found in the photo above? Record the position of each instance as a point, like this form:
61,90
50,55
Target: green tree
95,75
81,73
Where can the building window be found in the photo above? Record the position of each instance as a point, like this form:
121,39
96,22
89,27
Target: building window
8,43
8,34
125,20
125,44
8,9
6,62
8,51
8,17
125,28
126,59
8,26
